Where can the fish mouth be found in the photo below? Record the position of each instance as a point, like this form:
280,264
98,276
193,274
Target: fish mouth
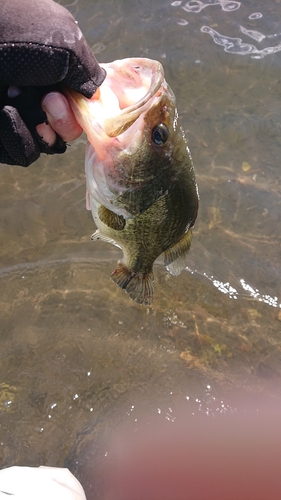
132,78
114,120
126,93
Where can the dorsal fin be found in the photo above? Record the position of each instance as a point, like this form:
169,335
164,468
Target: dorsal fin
111,219
175,257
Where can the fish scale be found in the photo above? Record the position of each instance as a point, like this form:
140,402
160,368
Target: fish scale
141,185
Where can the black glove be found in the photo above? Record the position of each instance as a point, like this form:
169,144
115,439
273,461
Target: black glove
41,49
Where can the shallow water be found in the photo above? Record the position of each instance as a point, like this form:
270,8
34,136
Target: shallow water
78,358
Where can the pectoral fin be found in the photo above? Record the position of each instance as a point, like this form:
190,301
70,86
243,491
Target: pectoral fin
175,257
98,236
111,219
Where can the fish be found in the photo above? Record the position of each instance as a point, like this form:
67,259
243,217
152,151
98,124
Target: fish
140,179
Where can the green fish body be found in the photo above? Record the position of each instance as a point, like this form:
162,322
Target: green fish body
141,185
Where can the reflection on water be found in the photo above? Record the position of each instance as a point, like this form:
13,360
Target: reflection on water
78,358
234,45
197,6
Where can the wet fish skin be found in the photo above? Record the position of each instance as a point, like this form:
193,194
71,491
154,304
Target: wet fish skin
166,226
141,185
148,172
125,170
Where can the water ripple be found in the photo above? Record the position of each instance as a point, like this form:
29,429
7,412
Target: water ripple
235,45
197,5
246,291
255,15
232,45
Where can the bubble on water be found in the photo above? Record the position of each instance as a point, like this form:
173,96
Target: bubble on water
197,5
210,405
182,22
226,288
229,6
255,15
176,4
194,6
255,293
97,48
233,293
232,45
256,35
237,46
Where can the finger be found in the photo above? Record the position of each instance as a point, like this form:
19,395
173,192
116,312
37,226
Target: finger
46,133
60,116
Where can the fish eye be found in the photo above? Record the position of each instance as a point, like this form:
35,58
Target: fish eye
160,134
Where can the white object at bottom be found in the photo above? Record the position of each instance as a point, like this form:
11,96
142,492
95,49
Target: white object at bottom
44,483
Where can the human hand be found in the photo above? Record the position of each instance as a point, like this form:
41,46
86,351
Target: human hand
61,120
41,50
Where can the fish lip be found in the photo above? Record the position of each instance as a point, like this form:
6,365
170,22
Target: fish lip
112,126
124,119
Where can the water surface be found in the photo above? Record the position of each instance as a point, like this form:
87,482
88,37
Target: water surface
78,358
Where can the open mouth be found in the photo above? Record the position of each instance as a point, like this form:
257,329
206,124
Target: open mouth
126,93
113,120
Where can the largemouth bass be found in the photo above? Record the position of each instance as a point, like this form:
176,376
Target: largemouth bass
141,185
